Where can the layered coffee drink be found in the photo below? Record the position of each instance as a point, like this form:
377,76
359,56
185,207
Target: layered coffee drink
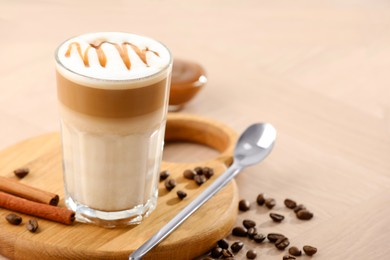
113,97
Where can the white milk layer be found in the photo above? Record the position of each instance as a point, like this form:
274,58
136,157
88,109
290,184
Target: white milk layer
112,164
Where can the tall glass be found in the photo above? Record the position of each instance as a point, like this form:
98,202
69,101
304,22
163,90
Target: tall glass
113,97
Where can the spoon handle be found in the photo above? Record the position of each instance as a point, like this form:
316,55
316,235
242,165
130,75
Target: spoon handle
218,184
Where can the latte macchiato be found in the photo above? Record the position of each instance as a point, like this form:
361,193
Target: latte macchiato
113,96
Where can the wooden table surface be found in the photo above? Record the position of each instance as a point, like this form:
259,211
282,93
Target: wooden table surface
317,70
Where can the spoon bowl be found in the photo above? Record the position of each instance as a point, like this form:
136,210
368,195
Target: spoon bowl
254,144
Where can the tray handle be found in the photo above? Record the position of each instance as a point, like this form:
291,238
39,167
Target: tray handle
205,131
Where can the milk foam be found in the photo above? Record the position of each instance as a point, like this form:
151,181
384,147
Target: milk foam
72,64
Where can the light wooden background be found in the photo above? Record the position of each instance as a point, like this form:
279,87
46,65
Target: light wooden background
318,70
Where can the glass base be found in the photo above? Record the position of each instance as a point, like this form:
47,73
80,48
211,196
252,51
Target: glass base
113,219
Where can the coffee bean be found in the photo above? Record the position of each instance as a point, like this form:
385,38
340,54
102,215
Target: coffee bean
200,179
181,194
170,184
13,219
294,251
199,170
252,232
243,205
258,238
237,246
21,172
290,203
251,254
226,253
304,214
240,232
189,174
299,207
248,223
260,199
282,243
208,172
289,257
32,225
223,243
216,252
309,250
270,203
272,237
164,175
207,258
276,217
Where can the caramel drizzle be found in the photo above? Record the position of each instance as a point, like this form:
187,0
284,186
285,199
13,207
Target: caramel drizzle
122,50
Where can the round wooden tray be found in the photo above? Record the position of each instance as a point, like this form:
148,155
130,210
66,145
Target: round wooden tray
85,241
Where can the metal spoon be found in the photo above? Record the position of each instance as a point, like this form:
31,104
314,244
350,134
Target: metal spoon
253,146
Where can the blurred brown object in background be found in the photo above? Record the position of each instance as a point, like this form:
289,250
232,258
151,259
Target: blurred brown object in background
187,79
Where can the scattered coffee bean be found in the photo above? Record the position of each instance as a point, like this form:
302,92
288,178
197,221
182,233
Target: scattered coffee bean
304,214
249,230
294,251
270,203
260,199
299,207
208,172
21,172
276,217
200,179
199,170
216,252
223,243
164,175
252,232
258,238
237,246
189,174
226,253
282,243
251,254
170,184
243,205
181,194
272,237
240,232
290,203
309,250
248,223
32,225
13,219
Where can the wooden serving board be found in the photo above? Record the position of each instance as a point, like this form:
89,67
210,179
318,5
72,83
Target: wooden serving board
86,241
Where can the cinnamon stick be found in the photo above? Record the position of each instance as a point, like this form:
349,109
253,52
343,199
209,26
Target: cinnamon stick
21,190
49,212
